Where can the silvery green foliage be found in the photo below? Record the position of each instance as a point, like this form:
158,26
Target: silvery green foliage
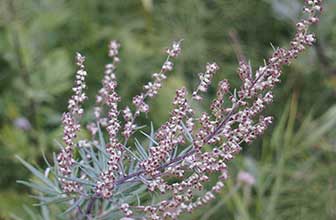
106,177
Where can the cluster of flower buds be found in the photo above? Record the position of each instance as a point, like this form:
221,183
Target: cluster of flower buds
207,127
109,97
157,184
183,198
74,104
114,51
125,208
169,167
169,135
129,125
245,74
140,104
106,184
109,82
175,49
113,124
233,125
216,107
302,38
71,127
268,75
151,89
205,80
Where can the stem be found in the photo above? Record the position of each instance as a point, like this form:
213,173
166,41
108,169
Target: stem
192,151
134,116
89,208
182,157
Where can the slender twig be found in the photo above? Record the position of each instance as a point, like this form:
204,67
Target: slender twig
89,207
192,151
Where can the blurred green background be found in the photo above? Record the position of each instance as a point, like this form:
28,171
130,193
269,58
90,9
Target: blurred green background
294,165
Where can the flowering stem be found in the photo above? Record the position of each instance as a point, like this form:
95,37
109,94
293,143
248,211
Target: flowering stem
89,208
209,137
179,158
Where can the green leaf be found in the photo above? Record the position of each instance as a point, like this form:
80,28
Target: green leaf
39,187
141,149
38,174
76,204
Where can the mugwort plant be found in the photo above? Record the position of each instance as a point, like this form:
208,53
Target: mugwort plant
107,177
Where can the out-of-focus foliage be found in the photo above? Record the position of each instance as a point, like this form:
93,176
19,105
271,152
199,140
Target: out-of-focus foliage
38,39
